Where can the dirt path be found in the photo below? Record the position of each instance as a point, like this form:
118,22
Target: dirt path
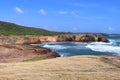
71,68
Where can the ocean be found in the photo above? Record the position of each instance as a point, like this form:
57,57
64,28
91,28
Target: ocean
92,48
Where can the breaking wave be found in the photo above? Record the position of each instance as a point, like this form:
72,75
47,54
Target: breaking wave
78,48
55,46
105,48
112,46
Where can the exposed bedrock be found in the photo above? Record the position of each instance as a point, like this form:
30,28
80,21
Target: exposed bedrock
75,38
58,38
17,53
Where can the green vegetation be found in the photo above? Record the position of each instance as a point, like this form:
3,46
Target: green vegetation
34,59
7,29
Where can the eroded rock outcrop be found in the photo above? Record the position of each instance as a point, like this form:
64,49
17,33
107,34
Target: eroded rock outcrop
17,53
58,38
48,38
19,40
83,38
28,40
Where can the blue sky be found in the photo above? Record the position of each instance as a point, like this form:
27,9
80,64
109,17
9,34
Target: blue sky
64,15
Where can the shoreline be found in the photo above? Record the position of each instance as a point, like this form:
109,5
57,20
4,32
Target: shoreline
18,48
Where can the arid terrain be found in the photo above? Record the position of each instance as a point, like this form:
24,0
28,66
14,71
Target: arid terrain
18,53
68,68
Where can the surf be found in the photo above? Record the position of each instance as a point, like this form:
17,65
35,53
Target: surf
78,48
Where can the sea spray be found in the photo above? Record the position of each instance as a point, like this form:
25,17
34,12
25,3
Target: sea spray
91,48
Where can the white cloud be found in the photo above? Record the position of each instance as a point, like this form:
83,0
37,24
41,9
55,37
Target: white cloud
42,11
18,10
110,29
74,13
84,5
75,29
93,17
62,12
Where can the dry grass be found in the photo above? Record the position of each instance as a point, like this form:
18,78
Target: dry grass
72,68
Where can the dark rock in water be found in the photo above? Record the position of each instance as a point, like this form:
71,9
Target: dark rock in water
101,38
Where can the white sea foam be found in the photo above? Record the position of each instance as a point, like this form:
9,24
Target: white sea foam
54,46
113,47
105,48
59,47
114,40
102,43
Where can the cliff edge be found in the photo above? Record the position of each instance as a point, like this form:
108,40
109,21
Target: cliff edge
58,38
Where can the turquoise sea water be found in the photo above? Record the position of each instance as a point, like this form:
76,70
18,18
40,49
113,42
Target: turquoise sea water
93,48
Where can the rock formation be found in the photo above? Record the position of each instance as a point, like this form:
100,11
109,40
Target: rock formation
82,38
48,38
59,38
16,53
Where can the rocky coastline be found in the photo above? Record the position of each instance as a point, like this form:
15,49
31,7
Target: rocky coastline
18,48
18,53
29,39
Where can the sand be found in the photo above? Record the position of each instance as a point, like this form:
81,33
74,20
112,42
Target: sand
68,68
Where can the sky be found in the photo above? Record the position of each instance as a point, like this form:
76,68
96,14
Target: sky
96,16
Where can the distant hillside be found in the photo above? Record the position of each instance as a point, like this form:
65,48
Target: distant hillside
7,28
113,35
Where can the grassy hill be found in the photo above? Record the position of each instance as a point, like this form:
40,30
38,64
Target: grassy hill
7,28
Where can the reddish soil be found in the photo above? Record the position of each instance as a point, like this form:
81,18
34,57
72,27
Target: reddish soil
17,53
